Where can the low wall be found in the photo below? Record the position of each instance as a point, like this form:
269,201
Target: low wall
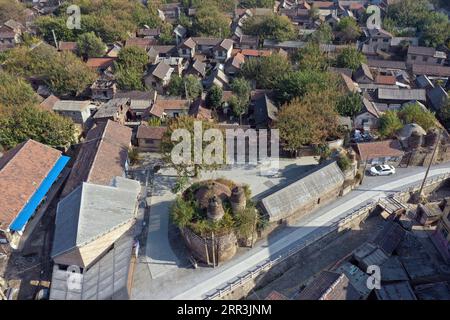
273,269
223,248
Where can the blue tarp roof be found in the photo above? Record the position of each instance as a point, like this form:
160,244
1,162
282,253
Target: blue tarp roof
24,215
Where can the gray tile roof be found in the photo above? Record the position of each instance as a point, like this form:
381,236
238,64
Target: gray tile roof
70,105
288,200
110,108
106,279
91,211
402,94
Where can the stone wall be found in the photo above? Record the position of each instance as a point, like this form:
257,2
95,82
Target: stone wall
264,278
314,204
202,248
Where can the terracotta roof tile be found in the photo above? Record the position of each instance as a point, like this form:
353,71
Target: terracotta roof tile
102,156
379,149
99,62
22,170
388,80
147,132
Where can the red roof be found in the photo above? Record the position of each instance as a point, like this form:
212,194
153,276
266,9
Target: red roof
103,156
388,80
256,53
147,132
379,149
22,170
168,104
97,63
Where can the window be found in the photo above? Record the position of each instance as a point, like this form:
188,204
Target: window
386,40
413,57
425,59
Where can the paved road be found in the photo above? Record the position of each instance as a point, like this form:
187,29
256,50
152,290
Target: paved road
324,217
182,283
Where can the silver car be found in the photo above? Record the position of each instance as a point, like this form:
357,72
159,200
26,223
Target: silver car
382,170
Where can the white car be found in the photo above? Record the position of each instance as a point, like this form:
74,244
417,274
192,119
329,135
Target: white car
382,170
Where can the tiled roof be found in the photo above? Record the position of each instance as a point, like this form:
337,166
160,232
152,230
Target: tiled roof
22,170
329,286
379,149
161,70
431,70
49,102
102,156
389,80
426,51
256,53
206,41
387,64
189,43
143,43
168,104
99,62
67,46
147,132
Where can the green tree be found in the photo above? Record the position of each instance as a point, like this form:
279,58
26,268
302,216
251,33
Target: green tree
47,24
302,123
350,58
175,86
209,21
433,27
128,79
257,3
167,145
272,26
11,10
14,91
349,105
194,87
414,113
322,35
63,72
90,46
68,75
18,124
296,84
311,58
241,89
181,212
390,123
132,57
266,71
129,68
348,29
214,97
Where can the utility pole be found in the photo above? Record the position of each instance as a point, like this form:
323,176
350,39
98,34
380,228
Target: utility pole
419,194
365,168
213,249
54,38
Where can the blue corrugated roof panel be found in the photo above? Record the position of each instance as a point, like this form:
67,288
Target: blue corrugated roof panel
24,215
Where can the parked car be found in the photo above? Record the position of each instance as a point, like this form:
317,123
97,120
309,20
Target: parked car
382,170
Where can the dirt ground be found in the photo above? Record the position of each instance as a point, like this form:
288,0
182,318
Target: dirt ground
30,270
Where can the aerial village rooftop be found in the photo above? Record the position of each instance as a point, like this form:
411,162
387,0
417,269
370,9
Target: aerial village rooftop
90,190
